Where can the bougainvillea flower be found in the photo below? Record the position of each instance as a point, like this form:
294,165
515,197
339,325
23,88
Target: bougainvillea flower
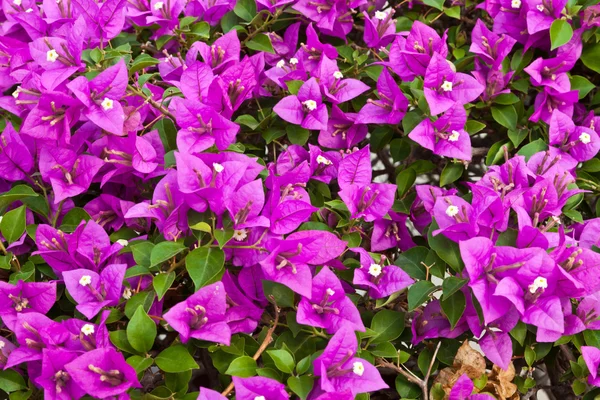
306,109
342,130
101,97
94,291
52,117
328,307
59,58
310,53
335,87
379,30
103,373
390,233
549,100
591,356
16,161
463,390
445,88
202,316
542,13
456,218
370,202
242,314
224,52
208,394
380,278
54,379
550,72
493,79
391,106
431,322
580,142
492,48
340,370
258,386
446,136
25,297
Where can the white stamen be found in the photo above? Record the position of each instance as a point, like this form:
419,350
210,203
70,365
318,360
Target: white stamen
107,104
585,138
293,61
88,329
51,55
310,104
15,94
330,291
454,136
539,283
240,235
29,10
17,2
158,5
338,75
358,368
218,168
515,3
280,64
127,293
380,15
85,280
375,270
323,160
123,242
260,398
447,86
451,211
540,7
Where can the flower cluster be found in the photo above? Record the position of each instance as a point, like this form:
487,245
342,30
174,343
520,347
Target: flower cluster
208,197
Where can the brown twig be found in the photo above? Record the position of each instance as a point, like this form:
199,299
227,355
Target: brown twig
263,346
151,101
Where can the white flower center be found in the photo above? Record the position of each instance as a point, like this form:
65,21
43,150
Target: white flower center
2,344
240,235
17,2
88,329
51,55
293,61
15,94
123,242
107,104
447,86
85,280
380,15
454,136
259,398
338,75
127,293
280,64
451,211
540,7
323,160
585,138
515,3
29,10
330,291
218,168
310,105
539,283
158,5
375,270
358,368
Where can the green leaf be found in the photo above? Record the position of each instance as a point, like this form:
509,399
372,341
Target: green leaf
451,285
293,86
439,4
388,324
454,307
205,265
11,381
247,120
144,299
223,236
301,385
19,192
141,252
175,359
506,99
581,84
405,180
451,173
244,367
472,126
179,382
164,251
519,332
419,293
532,148
162,283
168,133
284,296
445,248
141,331
142,61
283,360
139,363
12,225
590,58
517,136
505,116
245,9
560,33
297,135
73,218
164,39
201,29
119,339
186,21
410,262
261,42
453,12
385,349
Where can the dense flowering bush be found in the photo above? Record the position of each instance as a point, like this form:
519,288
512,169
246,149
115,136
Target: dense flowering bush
323,199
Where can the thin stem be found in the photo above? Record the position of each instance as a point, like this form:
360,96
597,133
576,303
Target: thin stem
151,101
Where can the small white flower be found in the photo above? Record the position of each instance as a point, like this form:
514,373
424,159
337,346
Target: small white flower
323,160
375,270
447,86
380,15
259,398
51,55
127,293
310,104
218,168
88,329
539,283
15,94
293,61
85,280
515,3
123,242
240,235
556,220
280,64
358,368
17,2
158,5
2,344
585,138
451,211
330,291
454,136
540,7
338,75
29,10
107,104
